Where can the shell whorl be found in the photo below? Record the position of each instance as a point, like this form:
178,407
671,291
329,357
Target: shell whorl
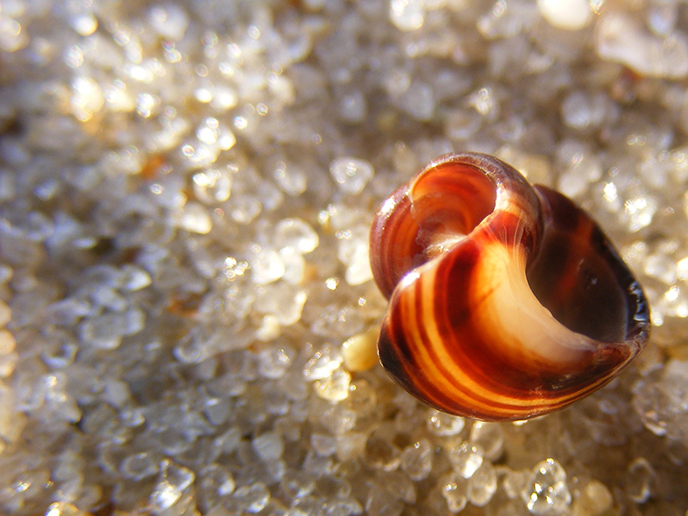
506,300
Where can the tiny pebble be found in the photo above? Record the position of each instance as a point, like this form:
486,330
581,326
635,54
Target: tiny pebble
360,351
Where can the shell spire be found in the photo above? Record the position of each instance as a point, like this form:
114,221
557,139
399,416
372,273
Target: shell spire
507,301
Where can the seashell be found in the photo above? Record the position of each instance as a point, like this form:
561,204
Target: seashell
506,300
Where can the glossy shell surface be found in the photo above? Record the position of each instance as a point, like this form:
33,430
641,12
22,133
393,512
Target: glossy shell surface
506,301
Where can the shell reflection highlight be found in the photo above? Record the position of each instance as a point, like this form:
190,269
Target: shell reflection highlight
506,300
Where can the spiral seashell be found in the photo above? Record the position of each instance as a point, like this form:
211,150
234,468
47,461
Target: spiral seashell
506,300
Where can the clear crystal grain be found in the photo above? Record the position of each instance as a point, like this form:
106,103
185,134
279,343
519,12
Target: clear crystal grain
489,437
213,185
139,466
454,489
216,485
322,363
335,387
482,485
290,177
172,481
266,266
416,459
268,446
443,424
252,498
273,361
466,458
297,234
381,454
195,218
546,492
351,174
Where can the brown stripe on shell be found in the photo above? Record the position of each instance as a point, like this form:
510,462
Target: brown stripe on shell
393,246
474,326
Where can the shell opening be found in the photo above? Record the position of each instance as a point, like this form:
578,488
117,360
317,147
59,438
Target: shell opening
581,291
447,207
578,275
